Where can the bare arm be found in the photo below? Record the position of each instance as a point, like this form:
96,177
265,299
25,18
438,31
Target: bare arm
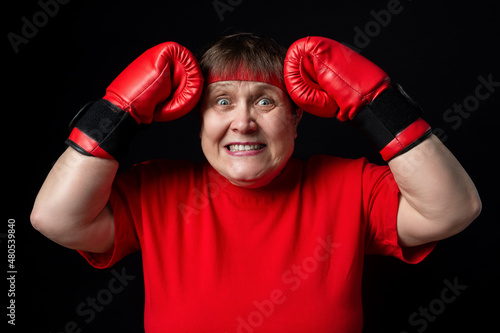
72,205
438,198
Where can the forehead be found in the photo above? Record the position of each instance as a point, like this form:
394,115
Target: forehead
242,87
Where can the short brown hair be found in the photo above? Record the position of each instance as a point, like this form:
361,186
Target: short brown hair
256,56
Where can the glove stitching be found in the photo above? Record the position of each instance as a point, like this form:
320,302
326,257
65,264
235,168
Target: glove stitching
338,75
292,75
151,84
179,89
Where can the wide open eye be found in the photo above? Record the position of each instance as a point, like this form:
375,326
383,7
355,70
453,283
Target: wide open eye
223,101
265,102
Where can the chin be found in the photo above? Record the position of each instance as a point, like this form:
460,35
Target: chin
252,183
248,180
251,177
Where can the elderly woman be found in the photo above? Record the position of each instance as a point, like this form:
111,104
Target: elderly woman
253,240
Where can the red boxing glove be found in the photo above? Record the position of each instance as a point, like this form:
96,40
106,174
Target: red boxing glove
162,84
328,79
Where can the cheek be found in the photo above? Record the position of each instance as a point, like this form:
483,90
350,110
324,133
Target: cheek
279,127
212,129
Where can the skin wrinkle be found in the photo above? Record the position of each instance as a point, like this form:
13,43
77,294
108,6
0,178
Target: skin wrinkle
244,120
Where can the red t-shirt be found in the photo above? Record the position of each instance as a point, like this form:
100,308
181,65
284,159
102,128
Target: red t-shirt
287,257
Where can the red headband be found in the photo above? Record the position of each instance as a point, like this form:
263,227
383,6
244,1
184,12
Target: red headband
244,74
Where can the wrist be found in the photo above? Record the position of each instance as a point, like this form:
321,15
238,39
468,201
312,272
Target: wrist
101,129
392,122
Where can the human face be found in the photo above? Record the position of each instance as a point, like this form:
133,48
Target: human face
248,130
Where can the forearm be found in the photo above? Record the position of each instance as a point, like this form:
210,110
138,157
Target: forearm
73,195
438,196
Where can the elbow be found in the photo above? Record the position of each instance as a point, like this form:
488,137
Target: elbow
467,214
46,222
475,207
37,219
459,219
42,220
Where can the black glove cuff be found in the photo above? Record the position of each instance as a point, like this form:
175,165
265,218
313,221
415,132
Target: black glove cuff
388,115
108,126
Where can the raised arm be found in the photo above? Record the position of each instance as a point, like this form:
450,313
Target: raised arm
72,207
438,199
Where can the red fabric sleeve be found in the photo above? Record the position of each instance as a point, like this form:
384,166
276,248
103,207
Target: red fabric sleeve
381,199
124,201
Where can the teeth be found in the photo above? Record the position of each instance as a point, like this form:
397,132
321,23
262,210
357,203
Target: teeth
244,147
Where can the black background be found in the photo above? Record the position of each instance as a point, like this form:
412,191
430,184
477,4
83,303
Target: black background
436,50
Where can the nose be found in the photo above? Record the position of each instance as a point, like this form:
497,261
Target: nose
244,121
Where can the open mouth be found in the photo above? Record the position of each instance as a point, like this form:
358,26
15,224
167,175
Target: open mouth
236,148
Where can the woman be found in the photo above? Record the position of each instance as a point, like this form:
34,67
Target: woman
253,240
